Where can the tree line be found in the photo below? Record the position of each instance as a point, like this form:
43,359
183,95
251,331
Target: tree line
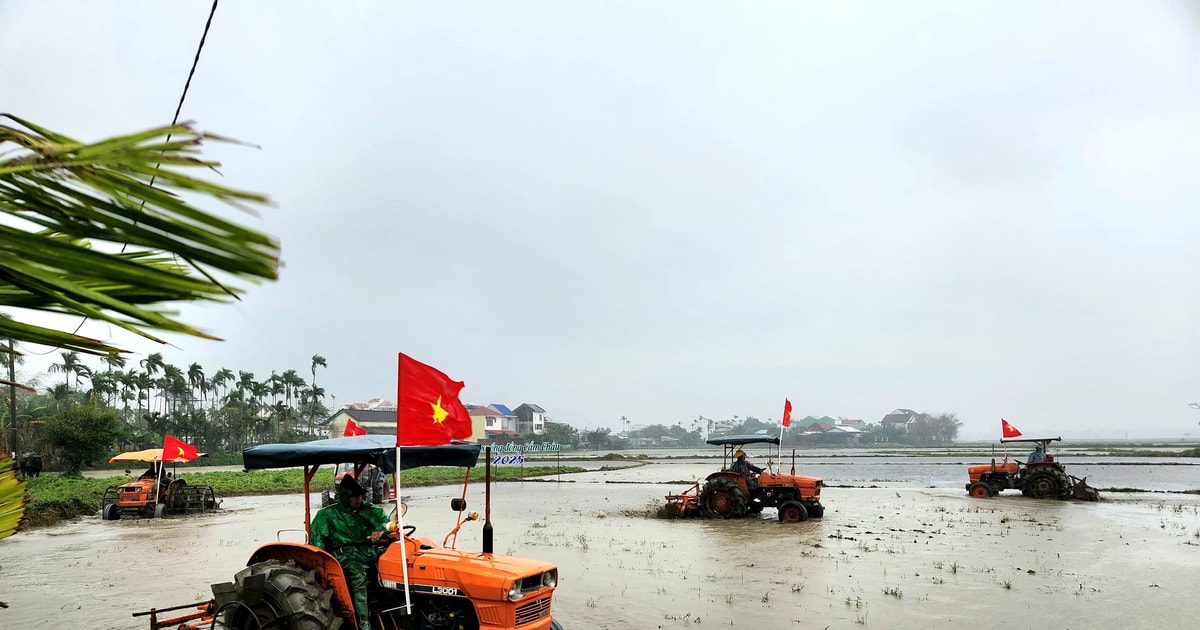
132,406
927,429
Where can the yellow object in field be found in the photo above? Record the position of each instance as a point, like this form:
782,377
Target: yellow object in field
12,498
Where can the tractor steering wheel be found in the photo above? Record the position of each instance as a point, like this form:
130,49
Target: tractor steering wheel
409,530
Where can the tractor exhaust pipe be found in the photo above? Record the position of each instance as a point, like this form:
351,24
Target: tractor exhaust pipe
487,501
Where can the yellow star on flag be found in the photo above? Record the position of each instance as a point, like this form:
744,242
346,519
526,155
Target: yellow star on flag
181,453
439,414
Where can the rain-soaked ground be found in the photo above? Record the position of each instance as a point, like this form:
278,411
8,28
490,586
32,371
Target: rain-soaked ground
899,555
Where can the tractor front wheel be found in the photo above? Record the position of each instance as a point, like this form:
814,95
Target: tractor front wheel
160,510
815,510
723,498
111,512
792,512
273,594
980,490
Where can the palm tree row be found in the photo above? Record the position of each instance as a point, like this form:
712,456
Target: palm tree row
227,411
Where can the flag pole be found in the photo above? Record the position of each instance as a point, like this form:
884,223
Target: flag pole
400,528
399,512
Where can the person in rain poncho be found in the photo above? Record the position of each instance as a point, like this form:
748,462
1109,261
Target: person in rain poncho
351,530
745,469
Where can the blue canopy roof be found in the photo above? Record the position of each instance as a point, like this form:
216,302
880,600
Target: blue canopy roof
379,450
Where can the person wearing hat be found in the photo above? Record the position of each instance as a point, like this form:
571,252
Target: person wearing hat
745,468
351,530
1038,454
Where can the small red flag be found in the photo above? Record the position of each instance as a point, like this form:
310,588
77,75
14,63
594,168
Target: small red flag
175,450
353,429
787,412
1007,430
428,411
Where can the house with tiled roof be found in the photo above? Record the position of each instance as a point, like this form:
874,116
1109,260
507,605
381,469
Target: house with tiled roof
383,422
899,418
530,418
495,422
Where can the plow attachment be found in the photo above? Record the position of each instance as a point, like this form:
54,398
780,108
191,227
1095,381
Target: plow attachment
685,504
1082,491
184,498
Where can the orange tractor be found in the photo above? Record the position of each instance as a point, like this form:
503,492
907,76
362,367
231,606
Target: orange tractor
417,583
731,494
155,493
371,478
1041,478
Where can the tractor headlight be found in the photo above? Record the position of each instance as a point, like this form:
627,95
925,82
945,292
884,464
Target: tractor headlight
550,579
514,591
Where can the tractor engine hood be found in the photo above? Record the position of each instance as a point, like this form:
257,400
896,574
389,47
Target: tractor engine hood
478,575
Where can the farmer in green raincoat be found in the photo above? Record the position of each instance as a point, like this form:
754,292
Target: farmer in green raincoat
351,530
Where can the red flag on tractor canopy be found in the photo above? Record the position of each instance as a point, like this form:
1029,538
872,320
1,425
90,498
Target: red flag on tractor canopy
1007,430
352,429
174,449
787,412
428,411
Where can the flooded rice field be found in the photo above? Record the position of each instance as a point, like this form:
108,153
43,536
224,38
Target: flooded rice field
913,551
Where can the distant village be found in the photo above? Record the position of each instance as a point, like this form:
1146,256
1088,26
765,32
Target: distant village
497,423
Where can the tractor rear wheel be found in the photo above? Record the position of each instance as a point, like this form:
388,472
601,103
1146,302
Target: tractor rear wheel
1043,484
723,498
378,487
279,595
792,512
980,490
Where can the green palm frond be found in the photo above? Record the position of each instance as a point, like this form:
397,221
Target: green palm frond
12,498
94,238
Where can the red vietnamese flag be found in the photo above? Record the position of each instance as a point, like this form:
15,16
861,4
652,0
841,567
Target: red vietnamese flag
1007,430
353,429
428,411
174,449
787,412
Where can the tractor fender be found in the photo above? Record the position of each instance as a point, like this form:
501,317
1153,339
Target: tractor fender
737,478
326,569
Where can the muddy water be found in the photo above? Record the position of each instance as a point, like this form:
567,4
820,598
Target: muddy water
896,557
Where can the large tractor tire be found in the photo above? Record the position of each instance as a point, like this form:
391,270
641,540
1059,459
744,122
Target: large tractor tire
792,512
723,498
1044,484
378,487
273,594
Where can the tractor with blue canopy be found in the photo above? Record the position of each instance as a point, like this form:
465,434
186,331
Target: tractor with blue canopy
417,582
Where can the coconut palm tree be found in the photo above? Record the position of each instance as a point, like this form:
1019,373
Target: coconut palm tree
70,365
220,381
195,376
124,192
317,361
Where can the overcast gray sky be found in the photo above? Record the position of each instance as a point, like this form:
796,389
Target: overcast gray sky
669,209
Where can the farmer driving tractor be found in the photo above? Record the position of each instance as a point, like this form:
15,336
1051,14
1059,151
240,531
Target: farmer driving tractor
351,530
745,469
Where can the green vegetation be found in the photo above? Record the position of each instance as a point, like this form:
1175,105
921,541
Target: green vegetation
58,497
104,232
83,434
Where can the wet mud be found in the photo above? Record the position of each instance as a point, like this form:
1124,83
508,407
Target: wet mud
884,557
